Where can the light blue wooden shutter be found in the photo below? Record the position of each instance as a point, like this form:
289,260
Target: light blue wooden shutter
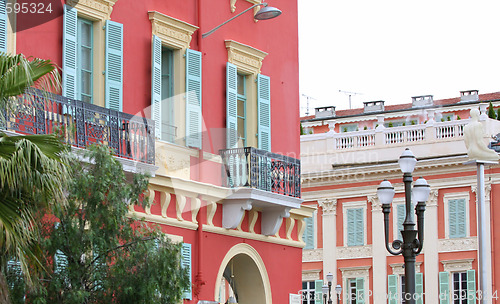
308,236
444,288
70,34
318,292
401,214
264,111
351,227
471,286
360,231
186,263
156,85
360,291
392,289
231,106
114,65
457,218
419,288
3,25
193,99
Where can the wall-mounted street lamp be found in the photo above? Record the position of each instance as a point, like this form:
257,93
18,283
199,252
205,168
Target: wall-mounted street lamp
411,245
267,12
338,289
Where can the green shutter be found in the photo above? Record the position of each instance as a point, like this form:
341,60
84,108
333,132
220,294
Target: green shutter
231,106
3,25
186,263
193,99
114,65
69,60
401,215
318,292
264,111
351,227
471,287
156,85
308,236
457,218
392,289
360,231
444,288
461,218
360,291
419,288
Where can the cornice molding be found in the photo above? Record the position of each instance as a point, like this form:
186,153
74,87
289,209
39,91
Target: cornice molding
172,32
355,252
97,9
457,265
353,272
248,59
460,244
311,275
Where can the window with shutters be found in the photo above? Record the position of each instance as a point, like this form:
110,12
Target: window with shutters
248,98
355,285
355,224
457,287
456,215
186,262
7,27
308,288
398,219
396,289
308,236
176,95
355,291
92,58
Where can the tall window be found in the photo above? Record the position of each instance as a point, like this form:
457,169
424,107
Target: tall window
308,236
241,111
457,218
85,60
308,288
355,291
459,287
355,227
168,128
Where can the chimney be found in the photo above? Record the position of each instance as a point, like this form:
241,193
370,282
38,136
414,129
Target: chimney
471,95
374,106
422,101
323,112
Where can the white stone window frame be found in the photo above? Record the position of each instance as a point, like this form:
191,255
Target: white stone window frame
354,273
354,205
454,266
451,196
394,210
399,270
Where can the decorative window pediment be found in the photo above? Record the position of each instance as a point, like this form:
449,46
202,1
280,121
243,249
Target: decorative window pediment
98,9
248,59
172,32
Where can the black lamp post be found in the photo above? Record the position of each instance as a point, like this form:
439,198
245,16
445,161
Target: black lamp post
413,240
329,278
324,289
338,289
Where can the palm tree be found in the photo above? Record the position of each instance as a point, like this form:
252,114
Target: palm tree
32,169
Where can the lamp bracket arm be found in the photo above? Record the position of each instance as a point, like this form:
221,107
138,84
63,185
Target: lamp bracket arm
232,18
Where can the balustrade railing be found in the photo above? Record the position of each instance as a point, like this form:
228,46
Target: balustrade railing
356,139
450,129
404,134
254,168
82,124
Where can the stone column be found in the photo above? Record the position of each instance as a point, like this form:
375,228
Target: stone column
379,253
430,251
329,207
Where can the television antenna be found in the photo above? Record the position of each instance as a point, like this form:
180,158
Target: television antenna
308,97
350,94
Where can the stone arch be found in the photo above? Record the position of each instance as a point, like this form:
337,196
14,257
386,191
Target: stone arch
251,278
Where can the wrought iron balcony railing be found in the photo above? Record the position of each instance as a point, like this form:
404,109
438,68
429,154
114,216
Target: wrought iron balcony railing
254,168
82,124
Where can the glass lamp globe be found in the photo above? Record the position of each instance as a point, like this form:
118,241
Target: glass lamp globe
385,192
421,190
338,289
407,161
329,277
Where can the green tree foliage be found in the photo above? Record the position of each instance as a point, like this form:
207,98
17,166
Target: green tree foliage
498,114
32,171
96,253
491,112
302,130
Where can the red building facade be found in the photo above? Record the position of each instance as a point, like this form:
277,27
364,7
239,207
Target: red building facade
214,120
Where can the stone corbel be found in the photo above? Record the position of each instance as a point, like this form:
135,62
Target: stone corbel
151,199
211,208
195,208
290,223
165,201
252,219
181,203
233,212
272,219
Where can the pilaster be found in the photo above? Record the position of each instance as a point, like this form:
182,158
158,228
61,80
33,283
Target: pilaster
329,208
431,264
379,254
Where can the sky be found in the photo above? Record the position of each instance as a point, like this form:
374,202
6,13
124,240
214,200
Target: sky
392,50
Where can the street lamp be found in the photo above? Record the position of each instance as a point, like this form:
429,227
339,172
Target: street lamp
411,245
338,289
324,289
329,278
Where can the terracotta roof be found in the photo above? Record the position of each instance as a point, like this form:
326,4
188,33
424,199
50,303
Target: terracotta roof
439,102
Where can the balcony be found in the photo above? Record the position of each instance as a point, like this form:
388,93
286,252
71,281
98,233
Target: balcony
82,124
260,180
319,152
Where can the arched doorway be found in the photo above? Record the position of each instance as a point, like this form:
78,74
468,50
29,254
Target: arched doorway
246,276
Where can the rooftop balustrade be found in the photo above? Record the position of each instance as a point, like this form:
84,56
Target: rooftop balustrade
81,124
